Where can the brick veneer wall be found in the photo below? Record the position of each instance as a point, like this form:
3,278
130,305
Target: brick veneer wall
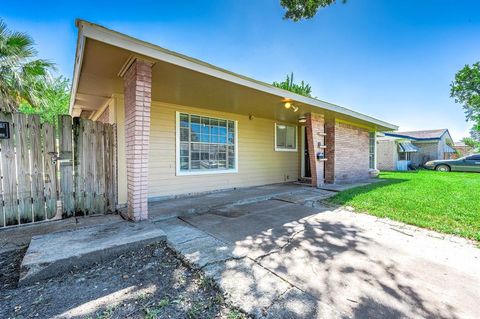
330,130
105,117
137,93
387,155
315,127
351,153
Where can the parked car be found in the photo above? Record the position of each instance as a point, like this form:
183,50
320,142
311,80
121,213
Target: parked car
470,163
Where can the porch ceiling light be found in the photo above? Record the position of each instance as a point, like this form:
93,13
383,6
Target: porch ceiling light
288,105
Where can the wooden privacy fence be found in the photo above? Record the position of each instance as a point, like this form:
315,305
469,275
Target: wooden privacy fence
52,171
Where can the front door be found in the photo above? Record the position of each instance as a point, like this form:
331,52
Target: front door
306,157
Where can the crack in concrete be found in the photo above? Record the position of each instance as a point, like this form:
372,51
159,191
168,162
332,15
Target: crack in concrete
275,300
191,239
223,261
289,241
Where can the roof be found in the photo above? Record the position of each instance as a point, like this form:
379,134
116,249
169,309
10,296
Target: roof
88,30
421,135
449,149
407,147
460,144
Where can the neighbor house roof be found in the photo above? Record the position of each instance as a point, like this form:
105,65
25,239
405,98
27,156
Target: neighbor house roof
407,147
460,144
91,34
421,135
449,149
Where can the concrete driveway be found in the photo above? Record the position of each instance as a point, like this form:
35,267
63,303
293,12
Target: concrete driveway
358,265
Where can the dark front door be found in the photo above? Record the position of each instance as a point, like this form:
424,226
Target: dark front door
306,157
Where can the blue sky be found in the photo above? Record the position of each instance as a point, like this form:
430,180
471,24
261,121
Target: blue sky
391,59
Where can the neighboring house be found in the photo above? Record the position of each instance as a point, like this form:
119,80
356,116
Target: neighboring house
394,153
462,149
185,126
429,145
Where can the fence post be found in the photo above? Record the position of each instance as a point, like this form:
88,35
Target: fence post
37,169
49,158
79,163
100,198
10,208
66,165
23,168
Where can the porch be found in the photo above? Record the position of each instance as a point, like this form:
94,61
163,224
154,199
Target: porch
187,127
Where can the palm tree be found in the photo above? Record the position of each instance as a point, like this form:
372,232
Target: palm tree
302,88
22,77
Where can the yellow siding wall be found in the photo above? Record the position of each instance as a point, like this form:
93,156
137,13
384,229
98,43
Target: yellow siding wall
258,163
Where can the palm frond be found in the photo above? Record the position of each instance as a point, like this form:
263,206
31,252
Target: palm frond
22,77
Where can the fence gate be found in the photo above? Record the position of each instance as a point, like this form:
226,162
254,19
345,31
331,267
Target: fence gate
57,171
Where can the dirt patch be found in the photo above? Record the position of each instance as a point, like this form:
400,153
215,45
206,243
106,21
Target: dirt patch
148,283
10,268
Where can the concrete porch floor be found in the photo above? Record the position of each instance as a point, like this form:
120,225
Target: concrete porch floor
203,203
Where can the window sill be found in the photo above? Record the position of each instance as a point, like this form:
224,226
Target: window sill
207,172
285,149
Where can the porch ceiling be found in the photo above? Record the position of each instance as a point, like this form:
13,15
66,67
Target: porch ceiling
101,54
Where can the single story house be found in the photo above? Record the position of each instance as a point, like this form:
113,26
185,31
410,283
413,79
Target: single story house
185,126
427,145
394,153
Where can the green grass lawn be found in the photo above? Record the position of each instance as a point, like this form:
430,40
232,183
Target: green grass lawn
445,202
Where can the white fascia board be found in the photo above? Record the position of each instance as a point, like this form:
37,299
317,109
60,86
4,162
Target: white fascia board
123,41
77,67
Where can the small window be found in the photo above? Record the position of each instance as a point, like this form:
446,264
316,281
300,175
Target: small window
285,137
403,156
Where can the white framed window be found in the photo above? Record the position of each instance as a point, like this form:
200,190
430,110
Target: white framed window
372,150
205,145
285,137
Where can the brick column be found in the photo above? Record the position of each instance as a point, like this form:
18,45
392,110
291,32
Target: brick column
330,151
315,139
137,82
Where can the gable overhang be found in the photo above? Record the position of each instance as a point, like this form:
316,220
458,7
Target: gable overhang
430,139
178,79
413,138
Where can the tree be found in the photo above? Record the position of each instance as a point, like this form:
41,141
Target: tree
21,75
475,132
471,142
304,9
465,89
56,98
302,88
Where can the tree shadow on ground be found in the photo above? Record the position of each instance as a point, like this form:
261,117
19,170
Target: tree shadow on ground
329,260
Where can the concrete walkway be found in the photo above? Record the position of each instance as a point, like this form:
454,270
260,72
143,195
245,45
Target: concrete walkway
292,257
